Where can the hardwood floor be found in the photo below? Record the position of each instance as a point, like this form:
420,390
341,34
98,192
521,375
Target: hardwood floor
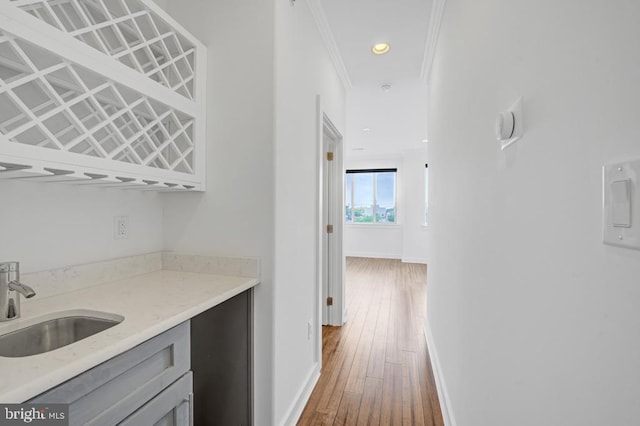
376,368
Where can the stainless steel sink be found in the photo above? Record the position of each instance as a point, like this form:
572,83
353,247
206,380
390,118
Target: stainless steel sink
51,334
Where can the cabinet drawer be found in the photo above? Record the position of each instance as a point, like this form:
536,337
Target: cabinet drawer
108,393
172,407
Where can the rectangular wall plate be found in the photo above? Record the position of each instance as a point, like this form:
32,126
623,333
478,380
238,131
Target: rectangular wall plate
621,204
121,228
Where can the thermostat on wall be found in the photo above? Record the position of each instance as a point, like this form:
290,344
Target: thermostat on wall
509,125
505,125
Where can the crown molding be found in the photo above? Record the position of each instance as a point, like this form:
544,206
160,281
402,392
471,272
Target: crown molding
326,34
435,20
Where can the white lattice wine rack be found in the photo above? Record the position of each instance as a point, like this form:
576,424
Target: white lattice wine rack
100,92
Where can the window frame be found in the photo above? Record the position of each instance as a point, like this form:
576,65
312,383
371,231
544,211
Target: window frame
350,191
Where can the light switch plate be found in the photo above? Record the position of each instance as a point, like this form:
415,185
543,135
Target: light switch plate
621,204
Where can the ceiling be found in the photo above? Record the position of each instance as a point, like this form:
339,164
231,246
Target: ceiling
380,122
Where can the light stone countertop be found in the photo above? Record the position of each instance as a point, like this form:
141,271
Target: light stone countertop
150,304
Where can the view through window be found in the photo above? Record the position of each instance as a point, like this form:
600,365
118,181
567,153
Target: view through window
370,196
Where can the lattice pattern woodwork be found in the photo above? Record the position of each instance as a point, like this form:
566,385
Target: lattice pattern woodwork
71,112
48,102
127,31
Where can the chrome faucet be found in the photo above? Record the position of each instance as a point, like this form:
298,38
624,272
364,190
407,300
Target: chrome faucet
10,290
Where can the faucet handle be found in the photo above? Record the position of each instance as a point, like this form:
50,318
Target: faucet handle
10,266
9,271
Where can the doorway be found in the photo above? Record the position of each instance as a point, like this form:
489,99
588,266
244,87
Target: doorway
331,262
332,220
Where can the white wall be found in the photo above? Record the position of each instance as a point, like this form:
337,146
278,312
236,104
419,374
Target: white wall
414,231
47,225
236,214
406,239
261,197
303,70
382,241
534,320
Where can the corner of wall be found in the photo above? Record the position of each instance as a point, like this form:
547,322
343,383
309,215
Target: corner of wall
443,394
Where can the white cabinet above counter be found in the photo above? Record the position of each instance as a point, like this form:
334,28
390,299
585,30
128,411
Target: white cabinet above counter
108,93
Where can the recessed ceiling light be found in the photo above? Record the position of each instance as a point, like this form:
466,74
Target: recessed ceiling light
380,48
358,149
425,140
366,130
385,87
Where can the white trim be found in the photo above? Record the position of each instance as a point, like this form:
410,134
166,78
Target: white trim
373,255
335,178
315,6
296,408
414,260
320,309
435,20
443,395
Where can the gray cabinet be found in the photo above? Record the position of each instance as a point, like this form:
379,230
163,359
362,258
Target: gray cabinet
221,363
147,385
171,407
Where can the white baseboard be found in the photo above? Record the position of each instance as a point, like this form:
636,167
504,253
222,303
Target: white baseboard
443,395
295,411
414,260
372,255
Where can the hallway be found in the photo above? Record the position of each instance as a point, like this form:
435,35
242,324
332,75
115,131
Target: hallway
376,368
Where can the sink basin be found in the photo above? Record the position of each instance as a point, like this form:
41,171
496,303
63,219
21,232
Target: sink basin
52,334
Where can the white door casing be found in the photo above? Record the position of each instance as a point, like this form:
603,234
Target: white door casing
331,198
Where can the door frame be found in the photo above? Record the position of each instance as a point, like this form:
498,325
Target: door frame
336,315
332,214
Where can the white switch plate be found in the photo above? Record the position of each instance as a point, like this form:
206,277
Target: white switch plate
620,211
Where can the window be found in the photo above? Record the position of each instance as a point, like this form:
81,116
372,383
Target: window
370,196
426,194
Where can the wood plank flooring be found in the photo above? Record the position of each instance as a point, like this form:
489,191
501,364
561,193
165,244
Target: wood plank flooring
376,368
